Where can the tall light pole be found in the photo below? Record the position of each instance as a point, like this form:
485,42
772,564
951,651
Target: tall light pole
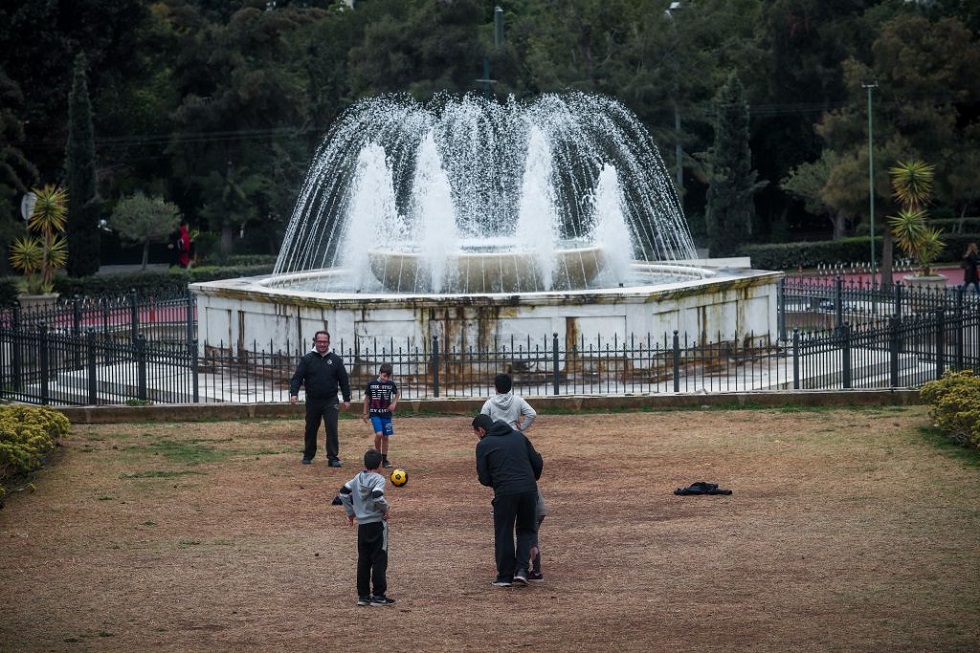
871,176
678,149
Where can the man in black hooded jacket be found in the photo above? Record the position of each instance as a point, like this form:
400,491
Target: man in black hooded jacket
507,462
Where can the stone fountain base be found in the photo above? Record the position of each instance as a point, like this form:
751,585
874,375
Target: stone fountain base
487,272
726,305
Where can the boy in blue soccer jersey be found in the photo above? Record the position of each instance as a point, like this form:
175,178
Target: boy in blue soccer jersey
380,401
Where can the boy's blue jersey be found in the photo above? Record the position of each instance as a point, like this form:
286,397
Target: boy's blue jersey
380,393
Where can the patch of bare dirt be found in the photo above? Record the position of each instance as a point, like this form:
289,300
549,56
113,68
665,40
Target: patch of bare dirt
846,531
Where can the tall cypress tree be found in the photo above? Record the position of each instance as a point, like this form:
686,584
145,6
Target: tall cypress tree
730,205
84,204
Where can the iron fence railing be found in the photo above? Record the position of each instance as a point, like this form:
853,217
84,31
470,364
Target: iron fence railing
831,336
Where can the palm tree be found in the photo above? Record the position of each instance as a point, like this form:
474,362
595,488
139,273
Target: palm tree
912,188
40,256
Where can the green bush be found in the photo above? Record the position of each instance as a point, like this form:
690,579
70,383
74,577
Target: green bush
27,435
151,282
792,256
955,405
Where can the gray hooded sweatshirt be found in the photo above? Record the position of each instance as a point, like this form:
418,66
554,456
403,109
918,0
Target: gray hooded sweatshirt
509,408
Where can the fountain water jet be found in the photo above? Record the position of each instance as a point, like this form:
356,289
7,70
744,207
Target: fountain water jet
423,220
516,184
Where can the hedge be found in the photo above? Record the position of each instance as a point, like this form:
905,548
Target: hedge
792,256
955,405
27,435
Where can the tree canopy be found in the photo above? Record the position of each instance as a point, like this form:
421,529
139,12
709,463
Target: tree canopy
219,107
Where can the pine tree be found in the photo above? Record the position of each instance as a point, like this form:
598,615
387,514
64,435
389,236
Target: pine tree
84,204
730,207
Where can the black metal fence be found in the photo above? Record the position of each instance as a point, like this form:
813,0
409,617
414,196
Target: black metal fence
831,336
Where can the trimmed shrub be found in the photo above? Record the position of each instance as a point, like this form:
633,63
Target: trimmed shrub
955,405
27,435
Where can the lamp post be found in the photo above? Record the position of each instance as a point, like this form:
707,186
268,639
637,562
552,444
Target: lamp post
678,149
498,40
871,177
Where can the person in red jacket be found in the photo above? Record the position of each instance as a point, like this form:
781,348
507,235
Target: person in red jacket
184,247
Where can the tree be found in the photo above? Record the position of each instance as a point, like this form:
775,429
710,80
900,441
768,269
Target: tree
912,182
144,220
84,204
730,206
40,256
808,182
17,173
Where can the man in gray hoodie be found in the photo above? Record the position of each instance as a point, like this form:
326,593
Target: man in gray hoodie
508,407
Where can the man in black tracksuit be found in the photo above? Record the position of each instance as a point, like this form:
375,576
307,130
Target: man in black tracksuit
322,373
507,462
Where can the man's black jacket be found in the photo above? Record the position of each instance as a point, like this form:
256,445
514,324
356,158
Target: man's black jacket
507,462
322,376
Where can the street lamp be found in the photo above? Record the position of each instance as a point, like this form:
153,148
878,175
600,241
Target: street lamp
871,177
678,150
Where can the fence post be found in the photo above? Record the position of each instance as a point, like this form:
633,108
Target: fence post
554,361
90,363
898,299
940,342
796,359
781,309
434,363
959,328
140,352
16,345
894,347
194,372
43,344
133,318
191,340
845,346
76,330
839,301
677,362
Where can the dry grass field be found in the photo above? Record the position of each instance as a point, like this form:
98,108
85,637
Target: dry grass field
850,530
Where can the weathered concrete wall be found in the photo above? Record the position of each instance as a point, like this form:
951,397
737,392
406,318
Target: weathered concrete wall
204,412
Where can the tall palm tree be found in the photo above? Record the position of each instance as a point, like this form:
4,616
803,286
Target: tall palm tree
912,188
41,255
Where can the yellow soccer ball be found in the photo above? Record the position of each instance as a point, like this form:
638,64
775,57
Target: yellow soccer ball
399,477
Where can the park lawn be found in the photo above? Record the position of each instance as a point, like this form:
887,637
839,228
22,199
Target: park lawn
851,530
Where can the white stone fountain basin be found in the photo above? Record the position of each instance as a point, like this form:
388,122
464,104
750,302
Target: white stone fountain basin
487,272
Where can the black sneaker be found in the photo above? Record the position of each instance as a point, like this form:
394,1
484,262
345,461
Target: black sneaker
386,464
335,463
381,600
501,582
364,600
307,461
520,578
535,576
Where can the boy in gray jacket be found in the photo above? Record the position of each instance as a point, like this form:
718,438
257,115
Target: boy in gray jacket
363,497
507,407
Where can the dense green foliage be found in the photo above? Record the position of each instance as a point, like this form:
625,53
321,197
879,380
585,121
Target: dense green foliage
143,219
732,181
83,201
27,436
955,405
219,107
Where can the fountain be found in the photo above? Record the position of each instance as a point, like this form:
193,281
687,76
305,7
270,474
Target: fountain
472,220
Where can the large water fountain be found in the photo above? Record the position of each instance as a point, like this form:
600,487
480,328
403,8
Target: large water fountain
472,220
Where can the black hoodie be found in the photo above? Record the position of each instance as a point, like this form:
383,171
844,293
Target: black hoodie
507,462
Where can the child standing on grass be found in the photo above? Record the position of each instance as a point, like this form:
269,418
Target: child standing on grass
540,512
380,401
363,498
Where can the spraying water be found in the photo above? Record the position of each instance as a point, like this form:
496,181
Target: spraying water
465,195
